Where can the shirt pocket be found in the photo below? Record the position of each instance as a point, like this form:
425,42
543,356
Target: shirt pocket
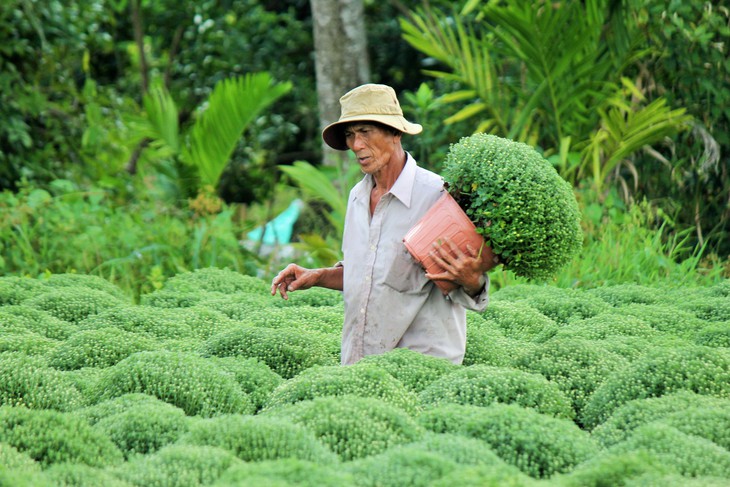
405,275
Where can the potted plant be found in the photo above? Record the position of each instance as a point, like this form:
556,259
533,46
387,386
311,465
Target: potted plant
526,212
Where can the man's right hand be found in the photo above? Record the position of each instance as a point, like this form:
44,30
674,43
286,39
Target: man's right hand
294,277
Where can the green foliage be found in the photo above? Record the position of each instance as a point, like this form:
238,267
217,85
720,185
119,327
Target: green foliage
284,472
561,304
520,320
28,381
483,385
73,304
51,437
254,377
177,466
488,346
668,319
675,480
11,458
629,293
142,320
607,325
15,290
323,319
611,469
286,351
144,428
185,380
487,476
82,280
80,475
539,445
413,369
213,279
257,438
353,427
400,467
637,412
28,343
662,371
21,319
526,212
457,448
316,296
97,348
717,335
361,380
576,366
690,455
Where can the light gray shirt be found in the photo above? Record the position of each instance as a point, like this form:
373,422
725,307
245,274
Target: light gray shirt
389,302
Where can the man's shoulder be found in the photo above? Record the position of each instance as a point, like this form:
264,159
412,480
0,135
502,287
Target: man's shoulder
428,179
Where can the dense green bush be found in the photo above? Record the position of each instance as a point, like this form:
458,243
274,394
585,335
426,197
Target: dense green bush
257,438
141,319
88,281
526,212
287,351
351,426
317,296
483,385
487,476
74,304
253,376
51,437
622,294
28,381
539,445
575,366
612,469
400,467
117,405
28,343
360,380
624,420
186,380
21,318
487,345
413,369
11,458
177,466
323,319
212,279
700,369
714,335
144,428
97,348
283,473
607,325
80,475
520,320
690,455
15,289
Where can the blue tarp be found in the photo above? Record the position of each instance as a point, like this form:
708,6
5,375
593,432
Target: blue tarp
279,230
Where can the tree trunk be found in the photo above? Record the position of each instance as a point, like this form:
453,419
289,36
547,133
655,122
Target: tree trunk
341,59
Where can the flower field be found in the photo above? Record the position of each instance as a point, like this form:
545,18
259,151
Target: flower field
210,380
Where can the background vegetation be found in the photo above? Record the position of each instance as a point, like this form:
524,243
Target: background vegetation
100,101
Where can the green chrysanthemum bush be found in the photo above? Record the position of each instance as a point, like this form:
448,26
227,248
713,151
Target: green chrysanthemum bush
15,290
216,280
80,475
607,325
638,412
144,320
253,376
144,428
28,343
87,281
51,437
487,476
700,369
360,380
613,469
285,472
98,348
74,304
287,351
666,318
483,385
238,307
169,298
177,466
117,405
711,423
487,345
623,294
257,438
675,480
526,212
351,426
185,380
575,366
714,335
12,458
520,321
690,455
323,319
400,467
538,444
413,369
457,448
21,319
564,305
316,296
28,381
708,308
22,478
202,321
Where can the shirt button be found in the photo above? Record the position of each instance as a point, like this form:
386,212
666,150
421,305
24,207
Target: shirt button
372,247
367,278
362,310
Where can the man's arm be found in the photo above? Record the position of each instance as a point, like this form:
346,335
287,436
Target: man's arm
467,269
295,277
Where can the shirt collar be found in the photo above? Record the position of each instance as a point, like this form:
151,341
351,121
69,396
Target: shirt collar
403,186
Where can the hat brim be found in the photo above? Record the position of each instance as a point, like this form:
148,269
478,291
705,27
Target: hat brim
334,133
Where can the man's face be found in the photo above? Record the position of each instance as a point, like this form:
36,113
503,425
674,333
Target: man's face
373,146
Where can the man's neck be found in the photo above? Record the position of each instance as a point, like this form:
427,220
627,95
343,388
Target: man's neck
386,179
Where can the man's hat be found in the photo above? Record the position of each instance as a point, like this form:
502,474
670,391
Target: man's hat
368,103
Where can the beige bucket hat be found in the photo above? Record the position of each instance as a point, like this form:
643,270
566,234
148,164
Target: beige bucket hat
368,103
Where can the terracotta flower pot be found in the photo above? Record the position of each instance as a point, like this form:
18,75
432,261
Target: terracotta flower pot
445,219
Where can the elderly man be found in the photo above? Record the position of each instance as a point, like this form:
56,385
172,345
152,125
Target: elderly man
390,301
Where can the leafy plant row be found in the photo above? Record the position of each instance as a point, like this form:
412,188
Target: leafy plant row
210,380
